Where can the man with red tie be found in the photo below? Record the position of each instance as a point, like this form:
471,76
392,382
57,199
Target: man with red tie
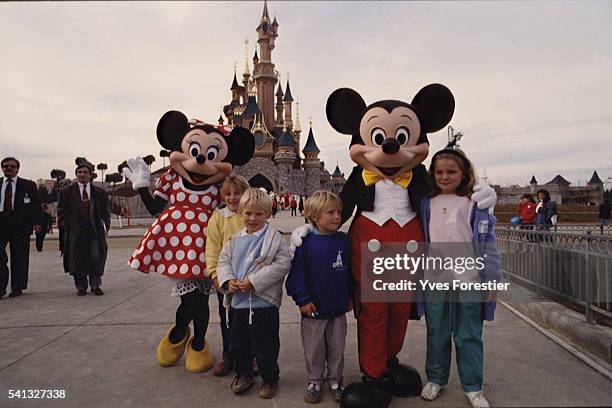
84,215
20,211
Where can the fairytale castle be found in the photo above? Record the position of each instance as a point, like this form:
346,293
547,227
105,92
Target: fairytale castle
261,105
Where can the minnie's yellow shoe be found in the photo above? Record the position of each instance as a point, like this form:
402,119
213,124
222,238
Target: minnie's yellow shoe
198,361
167,353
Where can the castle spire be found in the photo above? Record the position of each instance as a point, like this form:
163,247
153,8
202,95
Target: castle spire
311,145
265,17
298,126
247,70
288,97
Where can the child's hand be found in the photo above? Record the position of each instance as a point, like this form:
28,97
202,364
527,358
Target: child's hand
232,286
245,285
491,296
308,310
215,283
349,308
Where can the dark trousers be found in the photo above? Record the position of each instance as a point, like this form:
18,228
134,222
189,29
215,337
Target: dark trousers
293,212
225,330
259,339
40,238
90,268
19,245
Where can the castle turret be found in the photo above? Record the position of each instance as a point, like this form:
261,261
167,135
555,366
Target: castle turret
263,72
533,184
285,157
312,165
279,105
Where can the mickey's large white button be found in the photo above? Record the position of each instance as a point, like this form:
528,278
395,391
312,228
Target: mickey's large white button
374,245
412,246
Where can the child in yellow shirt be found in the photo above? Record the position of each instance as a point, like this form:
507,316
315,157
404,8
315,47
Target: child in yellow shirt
224,223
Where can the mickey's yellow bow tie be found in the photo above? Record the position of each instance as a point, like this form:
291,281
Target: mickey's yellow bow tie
403,179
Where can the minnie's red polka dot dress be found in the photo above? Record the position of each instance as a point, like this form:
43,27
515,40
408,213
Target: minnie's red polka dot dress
174,244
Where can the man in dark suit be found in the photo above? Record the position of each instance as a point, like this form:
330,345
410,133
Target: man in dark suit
84,215
19,214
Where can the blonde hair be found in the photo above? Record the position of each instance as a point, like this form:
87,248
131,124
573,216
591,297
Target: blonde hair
255,198
238,183
319,202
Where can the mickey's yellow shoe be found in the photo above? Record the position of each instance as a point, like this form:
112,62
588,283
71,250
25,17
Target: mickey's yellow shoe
198,361
167,353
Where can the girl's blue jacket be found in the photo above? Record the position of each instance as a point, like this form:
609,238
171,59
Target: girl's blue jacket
485,246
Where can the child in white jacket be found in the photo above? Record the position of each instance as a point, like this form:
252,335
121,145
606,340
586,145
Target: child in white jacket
252,267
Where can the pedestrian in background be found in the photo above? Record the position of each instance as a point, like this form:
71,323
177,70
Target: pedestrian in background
19,215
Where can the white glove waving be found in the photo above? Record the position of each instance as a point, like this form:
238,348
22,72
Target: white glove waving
137,172
485,197
297,235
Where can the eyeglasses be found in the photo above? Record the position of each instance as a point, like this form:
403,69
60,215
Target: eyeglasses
9,166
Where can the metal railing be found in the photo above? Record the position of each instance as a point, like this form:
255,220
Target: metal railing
571,228
124,222
560,265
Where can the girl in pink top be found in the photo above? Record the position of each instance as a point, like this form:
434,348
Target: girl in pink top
450,216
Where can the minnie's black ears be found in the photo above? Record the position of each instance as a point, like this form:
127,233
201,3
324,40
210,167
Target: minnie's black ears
170,130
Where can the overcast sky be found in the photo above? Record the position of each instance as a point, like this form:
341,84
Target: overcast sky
532,80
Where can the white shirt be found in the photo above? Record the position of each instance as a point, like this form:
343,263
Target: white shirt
82,186
256,233
4,184
391,202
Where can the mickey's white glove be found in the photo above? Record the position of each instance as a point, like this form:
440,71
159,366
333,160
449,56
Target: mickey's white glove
137,172
540,205
297,235
485,197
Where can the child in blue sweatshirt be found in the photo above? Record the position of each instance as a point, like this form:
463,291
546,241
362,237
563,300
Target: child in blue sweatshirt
319,285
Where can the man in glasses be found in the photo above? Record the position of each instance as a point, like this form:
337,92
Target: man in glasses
20,211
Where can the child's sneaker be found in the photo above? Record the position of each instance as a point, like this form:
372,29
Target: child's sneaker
313,394
336,391
241,384
477,399
268,390
431,391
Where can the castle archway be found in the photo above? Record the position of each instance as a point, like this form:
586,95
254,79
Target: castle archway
260,180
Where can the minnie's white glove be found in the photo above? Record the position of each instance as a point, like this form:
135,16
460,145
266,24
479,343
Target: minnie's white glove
485,197
137,172
297,235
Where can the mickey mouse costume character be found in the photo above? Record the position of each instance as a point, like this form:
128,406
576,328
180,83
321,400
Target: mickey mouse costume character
389,143
202,155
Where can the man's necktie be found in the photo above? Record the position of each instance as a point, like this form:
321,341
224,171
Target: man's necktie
8,195
85,199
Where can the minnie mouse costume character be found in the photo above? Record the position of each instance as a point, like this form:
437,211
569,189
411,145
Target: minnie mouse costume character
389,143
202,155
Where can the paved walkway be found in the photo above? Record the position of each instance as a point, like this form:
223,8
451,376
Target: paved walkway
100,350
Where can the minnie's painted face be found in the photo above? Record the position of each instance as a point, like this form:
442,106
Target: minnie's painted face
200,160
390,141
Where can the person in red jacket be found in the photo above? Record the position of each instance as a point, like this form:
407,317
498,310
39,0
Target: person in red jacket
526,211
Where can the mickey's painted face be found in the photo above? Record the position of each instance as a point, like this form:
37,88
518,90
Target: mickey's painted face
200,159
389,141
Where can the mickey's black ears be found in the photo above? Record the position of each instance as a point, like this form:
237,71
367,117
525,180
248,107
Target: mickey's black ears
171,129
434,105
344,110
241,146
